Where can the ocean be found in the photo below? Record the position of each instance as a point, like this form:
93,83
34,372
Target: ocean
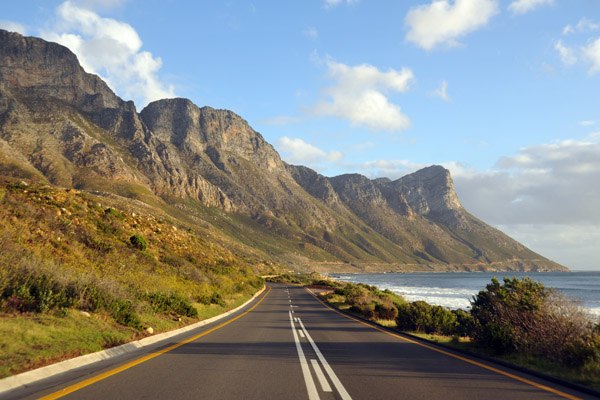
455,289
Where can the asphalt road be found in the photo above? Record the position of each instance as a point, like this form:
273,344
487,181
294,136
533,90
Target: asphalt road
290,346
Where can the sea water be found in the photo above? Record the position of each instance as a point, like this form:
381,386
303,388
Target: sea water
456,289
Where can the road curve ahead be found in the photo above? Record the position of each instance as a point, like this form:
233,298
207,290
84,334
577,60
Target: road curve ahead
290,346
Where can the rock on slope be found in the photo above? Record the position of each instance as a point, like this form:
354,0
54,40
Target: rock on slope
61,124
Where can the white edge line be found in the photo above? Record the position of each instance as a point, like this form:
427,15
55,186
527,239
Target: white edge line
308,379
336,382
320,376
26,378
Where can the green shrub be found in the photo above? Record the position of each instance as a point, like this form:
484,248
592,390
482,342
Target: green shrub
443,320
123,313
501,311
465,323
420,316
111,212
385,311
30,292
171,303
365,310
523,316
325,282
107,227
97,244
204,299
138,241
216,298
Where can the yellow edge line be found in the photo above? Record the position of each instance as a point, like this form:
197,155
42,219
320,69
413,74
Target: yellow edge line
518,378
87,382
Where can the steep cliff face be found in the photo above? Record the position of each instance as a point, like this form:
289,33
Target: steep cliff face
430,192
34,67
73,129
197,130
61,124
222,148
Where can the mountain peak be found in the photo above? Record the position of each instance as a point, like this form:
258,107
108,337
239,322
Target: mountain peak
204,130
35,67
429,190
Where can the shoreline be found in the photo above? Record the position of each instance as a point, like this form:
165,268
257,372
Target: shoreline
434,288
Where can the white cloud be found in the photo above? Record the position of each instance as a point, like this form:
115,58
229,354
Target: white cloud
568,29
311,32
545,196
583,26
297,151
13,27
442,23
99,5
575,246
332,3
524,6
111,49
442,92
359,95
587,123
567,55
591,53
546,184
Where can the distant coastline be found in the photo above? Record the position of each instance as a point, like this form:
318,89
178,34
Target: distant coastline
454,290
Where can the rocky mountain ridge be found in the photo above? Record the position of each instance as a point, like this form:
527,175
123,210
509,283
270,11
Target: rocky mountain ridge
65,126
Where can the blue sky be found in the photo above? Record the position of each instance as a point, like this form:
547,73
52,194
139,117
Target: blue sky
503,93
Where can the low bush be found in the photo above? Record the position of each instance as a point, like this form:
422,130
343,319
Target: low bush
124,314
465,323
97,244
385,311
216,298
171,303
525,317
420,316
138,241
111,212
31,292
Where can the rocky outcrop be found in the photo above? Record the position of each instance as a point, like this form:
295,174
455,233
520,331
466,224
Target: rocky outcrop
59,123
204,130
34,67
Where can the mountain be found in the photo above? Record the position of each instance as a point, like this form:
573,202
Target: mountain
63,126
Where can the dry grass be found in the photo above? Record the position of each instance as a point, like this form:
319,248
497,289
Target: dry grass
65,250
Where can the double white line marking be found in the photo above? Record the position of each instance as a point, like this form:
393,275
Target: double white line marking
308,379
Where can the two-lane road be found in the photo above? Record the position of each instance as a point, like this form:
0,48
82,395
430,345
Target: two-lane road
290,346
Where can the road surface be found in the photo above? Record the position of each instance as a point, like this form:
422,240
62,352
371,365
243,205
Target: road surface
287,345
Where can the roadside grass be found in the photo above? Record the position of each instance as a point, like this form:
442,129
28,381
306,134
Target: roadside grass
206,311
32,341
386,323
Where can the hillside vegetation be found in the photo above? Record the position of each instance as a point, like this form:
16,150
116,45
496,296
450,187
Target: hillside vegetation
65,251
